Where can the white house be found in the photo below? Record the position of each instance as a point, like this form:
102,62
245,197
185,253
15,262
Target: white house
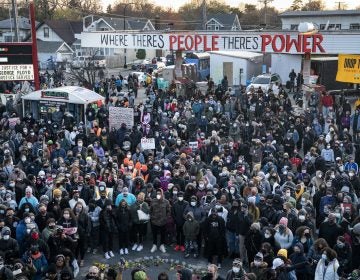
96,23
7,29
238,66
222,21
323,20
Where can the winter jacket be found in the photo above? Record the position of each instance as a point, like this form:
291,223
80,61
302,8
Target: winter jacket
95,216
108,221
9,246
199,213
191,229
177,212
328,272
330,232
159,211
133,211
123,219
285,240
214,229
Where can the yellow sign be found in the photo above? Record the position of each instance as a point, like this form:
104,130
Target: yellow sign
348,69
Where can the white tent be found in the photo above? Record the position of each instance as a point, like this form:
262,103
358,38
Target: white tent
68,94
75,97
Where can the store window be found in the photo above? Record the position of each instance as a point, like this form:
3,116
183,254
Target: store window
355,26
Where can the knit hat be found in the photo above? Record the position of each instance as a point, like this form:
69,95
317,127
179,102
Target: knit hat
283,253
283,221
140,275
125,190
277,263
5,231
57,192
94,269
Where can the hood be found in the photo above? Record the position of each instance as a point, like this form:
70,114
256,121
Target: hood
190,214
300,246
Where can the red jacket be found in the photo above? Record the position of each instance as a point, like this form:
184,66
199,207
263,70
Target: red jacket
327,101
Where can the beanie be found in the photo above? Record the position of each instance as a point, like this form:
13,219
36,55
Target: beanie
283,253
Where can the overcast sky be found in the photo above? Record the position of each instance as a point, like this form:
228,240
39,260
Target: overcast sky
279,4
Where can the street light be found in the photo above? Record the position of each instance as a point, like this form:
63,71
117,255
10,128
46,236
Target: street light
125,6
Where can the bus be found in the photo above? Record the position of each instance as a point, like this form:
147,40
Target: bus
202,62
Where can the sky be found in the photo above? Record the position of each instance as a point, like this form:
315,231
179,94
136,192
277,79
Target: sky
279,4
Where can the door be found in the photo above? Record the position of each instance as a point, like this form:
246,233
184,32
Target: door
228,71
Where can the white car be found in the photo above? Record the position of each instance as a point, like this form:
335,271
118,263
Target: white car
264,81
80,61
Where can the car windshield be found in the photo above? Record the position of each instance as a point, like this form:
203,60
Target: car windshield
261,80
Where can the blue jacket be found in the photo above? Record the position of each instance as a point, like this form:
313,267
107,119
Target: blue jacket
326,200
130,199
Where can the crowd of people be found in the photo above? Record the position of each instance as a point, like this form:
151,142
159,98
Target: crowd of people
234,174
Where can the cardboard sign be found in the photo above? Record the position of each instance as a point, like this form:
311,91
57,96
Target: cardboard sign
148,143
21,72
348,69
193,145
119,115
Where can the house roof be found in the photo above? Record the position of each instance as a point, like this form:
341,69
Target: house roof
51,47
23,23
66,30
77,95
227,20
320,13
118,23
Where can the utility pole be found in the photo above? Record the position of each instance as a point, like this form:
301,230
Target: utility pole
265,2
15,16
339,5
204,18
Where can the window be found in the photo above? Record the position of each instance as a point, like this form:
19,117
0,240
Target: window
208,27
104,29
46,32
1,33
216,27
330,26
355,26
294,26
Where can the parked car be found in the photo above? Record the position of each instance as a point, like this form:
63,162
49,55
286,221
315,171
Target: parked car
264,81
100,61
80,61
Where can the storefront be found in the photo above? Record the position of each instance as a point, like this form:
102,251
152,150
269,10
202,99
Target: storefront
72,99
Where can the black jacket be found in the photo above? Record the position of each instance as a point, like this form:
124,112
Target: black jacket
123,219
177,212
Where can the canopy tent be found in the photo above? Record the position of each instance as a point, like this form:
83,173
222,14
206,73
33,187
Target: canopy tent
68,94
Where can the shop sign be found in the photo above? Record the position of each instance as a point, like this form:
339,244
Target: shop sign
55,94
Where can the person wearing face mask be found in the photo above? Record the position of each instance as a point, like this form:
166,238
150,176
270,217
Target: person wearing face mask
159,213
214,231
139,226
103,195
268,236
299,260
344,254
283,235
123,221
330,230
49,229
108,227
199,214
237,271
38,261
42,217
29,198
191,229
177,213
23,230
9,246
327,267
201,190
83,230
259,267
326,202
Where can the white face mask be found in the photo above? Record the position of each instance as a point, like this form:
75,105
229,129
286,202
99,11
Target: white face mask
215,191
175,192
301,218
236,269
267,235
158,196
193,203
66,216
27,220
6,237
80,144
180,198
232,191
